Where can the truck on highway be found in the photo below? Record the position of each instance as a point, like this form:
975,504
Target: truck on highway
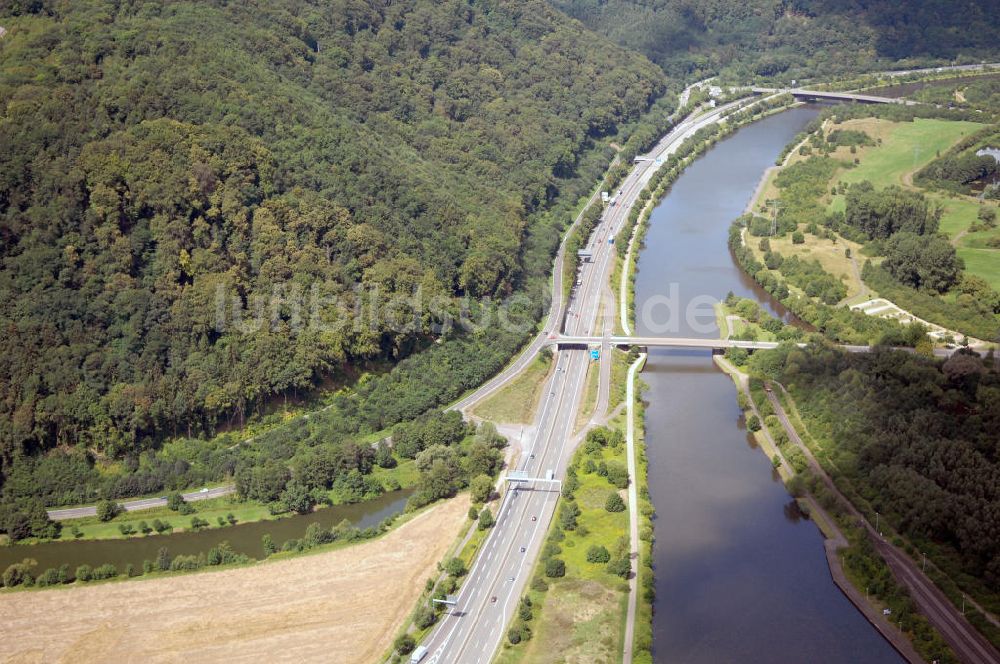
418,654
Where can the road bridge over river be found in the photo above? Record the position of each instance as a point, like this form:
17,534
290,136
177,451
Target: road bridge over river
566,342
800,93
570,342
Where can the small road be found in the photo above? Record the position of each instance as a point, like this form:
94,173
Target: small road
142,503
633,511
970,646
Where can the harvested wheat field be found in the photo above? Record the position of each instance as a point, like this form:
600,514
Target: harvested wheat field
341,606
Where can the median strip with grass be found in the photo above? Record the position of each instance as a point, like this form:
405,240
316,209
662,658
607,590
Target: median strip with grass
576,604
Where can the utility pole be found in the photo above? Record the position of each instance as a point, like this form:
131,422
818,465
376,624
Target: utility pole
774,205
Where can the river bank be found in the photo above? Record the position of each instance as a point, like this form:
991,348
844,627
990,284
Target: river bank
835,540
734,565
339,598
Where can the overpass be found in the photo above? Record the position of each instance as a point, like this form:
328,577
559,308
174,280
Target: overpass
800,93
693,343
569,342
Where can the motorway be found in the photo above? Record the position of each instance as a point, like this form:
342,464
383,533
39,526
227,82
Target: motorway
474,628
556,307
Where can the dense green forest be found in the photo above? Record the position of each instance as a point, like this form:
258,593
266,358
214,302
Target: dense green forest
793,38
914,437
168,163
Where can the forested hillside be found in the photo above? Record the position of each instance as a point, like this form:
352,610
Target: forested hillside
793,38
158,154
914,437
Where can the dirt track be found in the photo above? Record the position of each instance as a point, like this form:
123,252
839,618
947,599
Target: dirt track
342,606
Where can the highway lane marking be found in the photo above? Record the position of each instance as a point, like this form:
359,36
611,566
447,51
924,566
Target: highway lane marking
548,438
588,308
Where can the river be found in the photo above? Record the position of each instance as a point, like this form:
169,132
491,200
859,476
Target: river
243,537
740,575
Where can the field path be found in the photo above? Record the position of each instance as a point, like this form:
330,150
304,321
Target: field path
341,606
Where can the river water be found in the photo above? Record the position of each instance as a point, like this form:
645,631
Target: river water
740,575
243,537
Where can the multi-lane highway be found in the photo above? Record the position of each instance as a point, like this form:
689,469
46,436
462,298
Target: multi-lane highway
473,629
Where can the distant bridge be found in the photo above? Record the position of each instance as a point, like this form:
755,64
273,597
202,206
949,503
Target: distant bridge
715,345
800,93
677,342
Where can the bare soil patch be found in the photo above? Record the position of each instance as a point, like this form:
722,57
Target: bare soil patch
340,606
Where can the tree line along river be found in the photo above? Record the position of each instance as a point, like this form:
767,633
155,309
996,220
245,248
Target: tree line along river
244,538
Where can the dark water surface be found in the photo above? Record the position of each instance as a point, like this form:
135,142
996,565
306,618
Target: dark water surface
740,576
243,537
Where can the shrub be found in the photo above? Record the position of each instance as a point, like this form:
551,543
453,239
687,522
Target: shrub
517,633
753,423
184,564
620,566
617,474
567,515
538,584
106,571
455,567
524,609
268,545
83,573
405,644
108,509
481,487
52,577
614,503
425,617
486,519
555,568
18,574
162,559
598,554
